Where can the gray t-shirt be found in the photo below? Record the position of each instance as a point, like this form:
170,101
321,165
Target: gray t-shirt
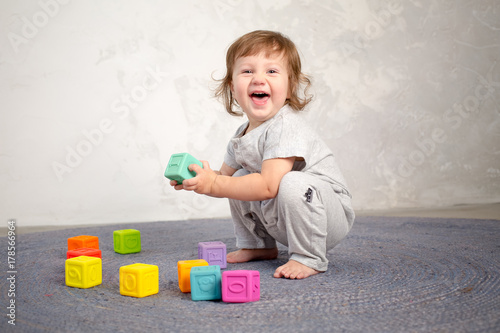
285,135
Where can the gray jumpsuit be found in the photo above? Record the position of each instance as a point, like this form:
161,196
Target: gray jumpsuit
312,212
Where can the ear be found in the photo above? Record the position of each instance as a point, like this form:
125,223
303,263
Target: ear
232,92
291,86
289,93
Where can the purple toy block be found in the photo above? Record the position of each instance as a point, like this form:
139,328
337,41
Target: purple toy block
240,286
213,252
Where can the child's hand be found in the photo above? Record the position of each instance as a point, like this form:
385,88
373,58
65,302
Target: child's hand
202,183
175,185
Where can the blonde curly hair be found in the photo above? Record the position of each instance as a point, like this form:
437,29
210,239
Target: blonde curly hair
272,43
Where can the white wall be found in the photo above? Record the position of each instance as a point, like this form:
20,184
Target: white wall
407,96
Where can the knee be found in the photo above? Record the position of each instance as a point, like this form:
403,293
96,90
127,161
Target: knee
290,180
292,187
241,172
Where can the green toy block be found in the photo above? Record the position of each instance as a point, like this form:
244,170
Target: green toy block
127,241
177,168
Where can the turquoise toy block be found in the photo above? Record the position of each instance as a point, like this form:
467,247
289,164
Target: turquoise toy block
177,168
127,241
206,283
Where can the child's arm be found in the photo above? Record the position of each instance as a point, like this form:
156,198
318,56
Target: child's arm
252,187
224,170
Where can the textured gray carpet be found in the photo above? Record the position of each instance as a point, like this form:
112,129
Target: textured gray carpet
389,275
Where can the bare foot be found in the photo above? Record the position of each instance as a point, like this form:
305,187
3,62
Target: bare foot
294,270
245,255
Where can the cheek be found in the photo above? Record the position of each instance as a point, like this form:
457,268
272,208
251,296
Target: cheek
234,90
237,88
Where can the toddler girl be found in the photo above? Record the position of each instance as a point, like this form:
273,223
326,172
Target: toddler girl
281,179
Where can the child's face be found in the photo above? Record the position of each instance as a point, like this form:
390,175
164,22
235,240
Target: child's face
260,86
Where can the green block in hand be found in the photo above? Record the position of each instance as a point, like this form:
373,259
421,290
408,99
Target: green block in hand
177,168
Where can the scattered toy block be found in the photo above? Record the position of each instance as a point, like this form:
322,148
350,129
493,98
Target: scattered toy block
139,280
83,241
177,168
83,272
127,241
84,251
240,286
213,252
184,272
205,283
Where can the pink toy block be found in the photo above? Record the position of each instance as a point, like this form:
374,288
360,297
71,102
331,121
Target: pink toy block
240,286
213,252
84,251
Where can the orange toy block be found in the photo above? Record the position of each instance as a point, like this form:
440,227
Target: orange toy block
184,272
83,241
84,251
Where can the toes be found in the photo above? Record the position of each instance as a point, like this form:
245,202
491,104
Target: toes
282,271
230,257
291,271
278,273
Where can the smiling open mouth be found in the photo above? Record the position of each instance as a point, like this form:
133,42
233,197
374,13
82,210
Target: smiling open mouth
259,98
259,95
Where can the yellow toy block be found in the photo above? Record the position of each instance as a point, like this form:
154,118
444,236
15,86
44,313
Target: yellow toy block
184,272
139,280
83,272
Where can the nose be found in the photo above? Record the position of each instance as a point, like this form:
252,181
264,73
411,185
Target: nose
258,79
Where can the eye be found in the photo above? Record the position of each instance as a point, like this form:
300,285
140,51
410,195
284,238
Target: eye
246,71
272,71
